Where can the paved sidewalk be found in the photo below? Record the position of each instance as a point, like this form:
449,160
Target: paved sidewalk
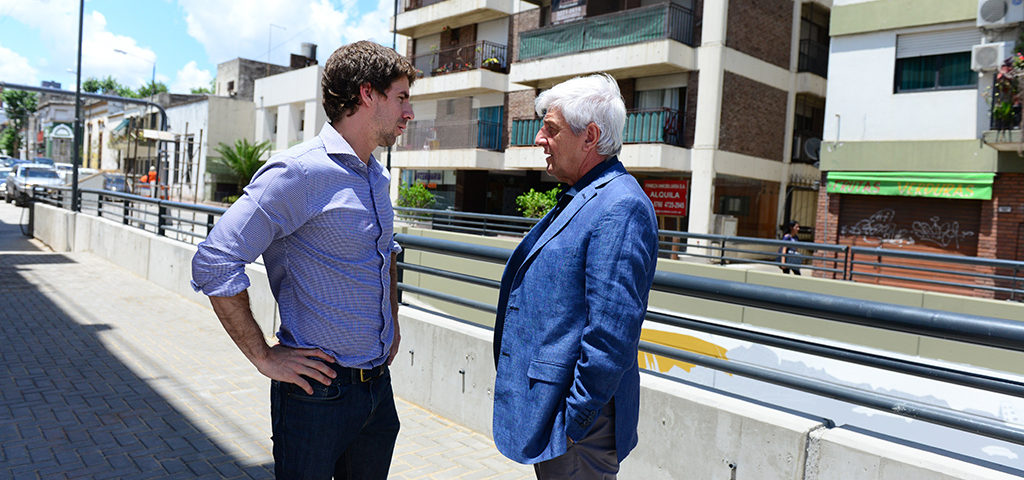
105,375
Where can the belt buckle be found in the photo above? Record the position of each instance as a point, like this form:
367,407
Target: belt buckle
362,376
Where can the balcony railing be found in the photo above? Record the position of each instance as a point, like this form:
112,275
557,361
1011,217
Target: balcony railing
482,54
621,28
451,134
647,125
813,57
414,4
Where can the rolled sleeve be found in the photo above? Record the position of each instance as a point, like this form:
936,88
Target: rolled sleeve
396,248
273,205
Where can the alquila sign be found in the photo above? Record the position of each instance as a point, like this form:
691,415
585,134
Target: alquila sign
956,186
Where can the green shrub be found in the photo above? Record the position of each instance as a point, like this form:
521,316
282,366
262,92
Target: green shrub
536,204
415,196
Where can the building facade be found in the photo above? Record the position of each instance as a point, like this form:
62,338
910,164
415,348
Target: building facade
725,101
916,156
199,126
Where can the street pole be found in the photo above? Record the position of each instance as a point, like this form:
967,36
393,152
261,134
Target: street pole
77,157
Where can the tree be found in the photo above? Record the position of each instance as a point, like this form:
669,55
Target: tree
107,86
534,204
207,90
150,89
415,196
243,159
9,141
19,105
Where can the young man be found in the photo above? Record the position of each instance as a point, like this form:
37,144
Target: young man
320,215
573,296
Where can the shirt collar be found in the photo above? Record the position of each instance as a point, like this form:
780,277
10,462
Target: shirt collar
589,177
335,144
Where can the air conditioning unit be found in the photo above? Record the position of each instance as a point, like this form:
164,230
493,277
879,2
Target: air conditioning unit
1000,13
812,148
725,225
988,57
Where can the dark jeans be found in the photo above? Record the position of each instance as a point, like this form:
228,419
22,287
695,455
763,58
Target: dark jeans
345,430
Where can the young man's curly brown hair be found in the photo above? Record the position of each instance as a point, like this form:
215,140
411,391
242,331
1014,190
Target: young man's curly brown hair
355,64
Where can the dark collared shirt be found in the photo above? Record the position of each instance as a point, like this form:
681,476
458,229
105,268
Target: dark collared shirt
565,197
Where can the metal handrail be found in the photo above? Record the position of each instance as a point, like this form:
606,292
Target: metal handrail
992,332
973,329
836,261
483,54
625,27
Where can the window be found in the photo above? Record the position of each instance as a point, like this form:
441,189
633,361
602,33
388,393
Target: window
935,60
933,72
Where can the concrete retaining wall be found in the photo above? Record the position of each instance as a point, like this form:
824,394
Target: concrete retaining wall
160,260
446,366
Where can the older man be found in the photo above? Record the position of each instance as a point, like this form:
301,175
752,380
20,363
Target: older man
573,297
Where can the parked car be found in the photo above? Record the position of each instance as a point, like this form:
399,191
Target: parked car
29,177
43,161
11,161
115,182
4,172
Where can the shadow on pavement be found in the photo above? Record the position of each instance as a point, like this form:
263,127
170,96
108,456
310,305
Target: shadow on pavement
69,408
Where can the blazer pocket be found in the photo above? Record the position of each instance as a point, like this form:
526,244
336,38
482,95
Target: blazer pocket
549,372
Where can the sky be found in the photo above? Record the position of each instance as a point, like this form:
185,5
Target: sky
185,39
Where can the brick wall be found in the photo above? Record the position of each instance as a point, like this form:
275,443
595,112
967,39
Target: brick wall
523,22
690,120
762,29
1008,191
627,87
753,118
826,223
519,105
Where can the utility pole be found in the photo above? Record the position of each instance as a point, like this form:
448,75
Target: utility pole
75,204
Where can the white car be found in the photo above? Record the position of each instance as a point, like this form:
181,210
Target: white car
28,177
4,172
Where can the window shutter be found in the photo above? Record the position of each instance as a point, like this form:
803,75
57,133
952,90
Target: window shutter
937,43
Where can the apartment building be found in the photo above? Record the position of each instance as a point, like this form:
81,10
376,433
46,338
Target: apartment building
917,153
725,101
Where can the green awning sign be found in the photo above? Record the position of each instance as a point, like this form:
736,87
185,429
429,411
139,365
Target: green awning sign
957,186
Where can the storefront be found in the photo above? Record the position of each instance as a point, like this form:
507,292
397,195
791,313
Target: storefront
949,213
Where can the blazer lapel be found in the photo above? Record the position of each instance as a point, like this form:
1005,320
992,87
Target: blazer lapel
570,211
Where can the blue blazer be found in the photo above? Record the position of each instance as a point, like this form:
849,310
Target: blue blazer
572,299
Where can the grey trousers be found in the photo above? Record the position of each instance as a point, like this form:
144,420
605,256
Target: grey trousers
593,457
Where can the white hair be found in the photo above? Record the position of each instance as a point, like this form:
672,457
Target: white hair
584,100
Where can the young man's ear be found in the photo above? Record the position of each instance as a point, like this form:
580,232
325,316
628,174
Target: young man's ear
366,93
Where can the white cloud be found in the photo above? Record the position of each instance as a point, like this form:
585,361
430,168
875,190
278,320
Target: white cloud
57,23
15,68
189,77
238,28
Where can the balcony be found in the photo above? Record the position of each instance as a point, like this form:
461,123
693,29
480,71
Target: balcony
646,125
471,144
652,140
813,58
639,42
483,54
458,72
425,17
451,134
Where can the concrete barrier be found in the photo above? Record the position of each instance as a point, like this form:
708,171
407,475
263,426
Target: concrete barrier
446,366
160,260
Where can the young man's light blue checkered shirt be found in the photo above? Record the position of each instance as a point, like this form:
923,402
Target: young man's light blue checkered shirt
323,222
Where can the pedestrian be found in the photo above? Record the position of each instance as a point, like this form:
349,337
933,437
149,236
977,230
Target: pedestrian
320,215
573,296
789,256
